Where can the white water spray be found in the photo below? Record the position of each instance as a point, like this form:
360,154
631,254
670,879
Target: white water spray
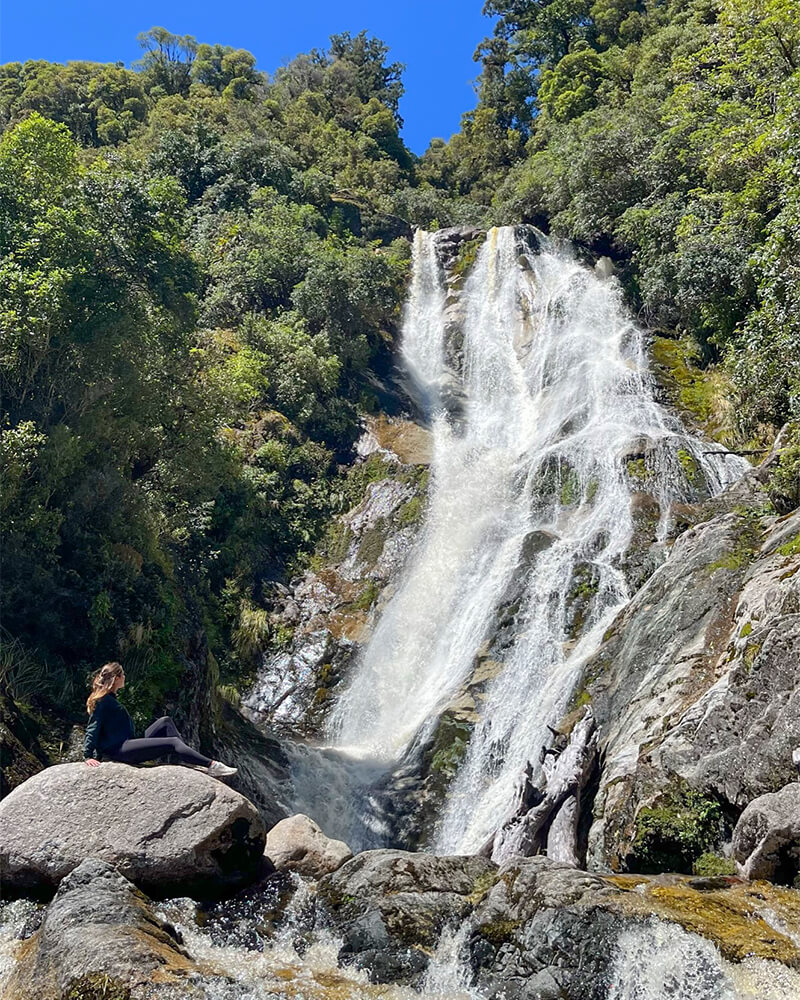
661,960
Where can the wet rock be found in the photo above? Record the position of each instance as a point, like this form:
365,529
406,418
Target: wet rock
766,841
545,820
605,268
261,760
696,685
389,907
448,242
167,829
297,844
544,926
536,928
216,726
411,797
99,933
411,443
644,553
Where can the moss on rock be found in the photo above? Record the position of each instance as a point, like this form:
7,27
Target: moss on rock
679,827
97,986
713,864
702,395
466,257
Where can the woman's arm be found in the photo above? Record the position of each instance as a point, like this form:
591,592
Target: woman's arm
92,733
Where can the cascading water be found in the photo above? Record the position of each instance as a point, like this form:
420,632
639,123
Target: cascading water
532,486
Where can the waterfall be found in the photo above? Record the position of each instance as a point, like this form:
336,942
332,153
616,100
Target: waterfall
532,487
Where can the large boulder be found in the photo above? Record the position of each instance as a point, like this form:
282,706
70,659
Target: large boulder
766,840
297,844
99,937
390,907
170,830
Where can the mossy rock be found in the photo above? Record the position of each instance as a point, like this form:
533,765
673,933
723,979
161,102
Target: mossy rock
702,395
674,831
448,751
498,932
790,548
749,537
411,512
710,864
726,912
692,469
637,470
97,986
372,542
466,257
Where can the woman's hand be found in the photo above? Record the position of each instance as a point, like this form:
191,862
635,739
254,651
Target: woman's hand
92,762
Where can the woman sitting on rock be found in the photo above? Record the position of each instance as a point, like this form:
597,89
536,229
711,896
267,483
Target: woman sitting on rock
110,731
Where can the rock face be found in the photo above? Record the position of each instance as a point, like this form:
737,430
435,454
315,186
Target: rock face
167,829
546,820
297,844
99,931
208,721
389,907
766,841
696,688
329,611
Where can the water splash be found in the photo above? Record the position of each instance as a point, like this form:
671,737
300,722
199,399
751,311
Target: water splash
533,486
448,973
661,960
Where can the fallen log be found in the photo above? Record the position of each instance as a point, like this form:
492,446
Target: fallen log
546,820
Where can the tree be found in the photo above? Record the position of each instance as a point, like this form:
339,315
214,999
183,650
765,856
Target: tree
226,70
167,61
358,64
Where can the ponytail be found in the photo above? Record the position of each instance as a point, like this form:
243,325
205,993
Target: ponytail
102,683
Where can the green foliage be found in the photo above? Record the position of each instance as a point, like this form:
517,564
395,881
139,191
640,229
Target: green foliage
167,60
186,325
784,481
676,831
100,104
709,865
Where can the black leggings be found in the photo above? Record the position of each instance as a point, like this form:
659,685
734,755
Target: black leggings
160,739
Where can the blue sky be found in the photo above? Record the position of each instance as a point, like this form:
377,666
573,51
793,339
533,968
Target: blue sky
435,39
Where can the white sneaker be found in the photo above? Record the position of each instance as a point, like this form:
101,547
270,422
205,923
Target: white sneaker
218,770
796,756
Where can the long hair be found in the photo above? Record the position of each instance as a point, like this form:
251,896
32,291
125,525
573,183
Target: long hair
102,683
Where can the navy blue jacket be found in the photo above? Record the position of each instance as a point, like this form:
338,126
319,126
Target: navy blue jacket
109,726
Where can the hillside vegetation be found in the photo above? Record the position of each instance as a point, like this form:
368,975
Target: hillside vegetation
202,269
666,134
